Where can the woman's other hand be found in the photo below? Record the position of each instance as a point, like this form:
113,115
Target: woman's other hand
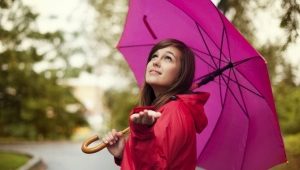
115,143
146,117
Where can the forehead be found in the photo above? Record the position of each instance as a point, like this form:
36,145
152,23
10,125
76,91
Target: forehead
170,49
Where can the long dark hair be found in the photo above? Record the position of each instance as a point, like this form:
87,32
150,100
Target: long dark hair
184,81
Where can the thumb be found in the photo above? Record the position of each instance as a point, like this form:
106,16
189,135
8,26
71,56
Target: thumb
119,134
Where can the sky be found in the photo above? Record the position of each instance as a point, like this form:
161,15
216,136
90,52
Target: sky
77,15
73,16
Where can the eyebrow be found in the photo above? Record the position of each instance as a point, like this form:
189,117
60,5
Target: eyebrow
171,53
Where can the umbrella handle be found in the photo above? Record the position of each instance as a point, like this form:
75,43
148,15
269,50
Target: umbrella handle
88,150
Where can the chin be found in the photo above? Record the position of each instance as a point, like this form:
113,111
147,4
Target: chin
152,83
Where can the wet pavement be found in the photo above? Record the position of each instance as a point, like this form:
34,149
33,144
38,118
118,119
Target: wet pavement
65,155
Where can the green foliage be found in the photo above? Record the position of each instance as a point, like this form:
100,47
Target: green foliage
240,17
120,104
272,53
287,100
32,105
288,109
111,20
292,146
12,161
290,20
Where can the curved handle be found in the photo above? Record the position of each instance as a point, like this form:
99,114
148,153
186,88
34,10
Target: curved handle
88,150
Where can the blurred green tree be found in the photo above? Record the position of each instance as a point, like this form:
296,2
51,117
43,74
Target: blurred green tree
111,18
32,104
120,104
288,101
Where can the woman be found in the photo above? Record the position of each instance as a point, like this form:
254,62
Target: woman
163,128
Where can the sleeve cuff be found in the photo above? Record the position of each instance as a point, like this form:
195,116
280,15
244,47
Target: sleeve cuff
141,131
118,161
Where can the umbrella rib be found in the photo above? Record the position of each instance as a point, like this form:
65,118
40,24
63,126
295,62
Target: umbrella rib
149,27
241,62
246,88
220,15
197,25
202,28
205,62
226,84
228,45
211,39
245,60
242,164
221,112
252,85
221,50
238,84
255,57
197,50
228,77
235,97
246,144
205,44
220,91
215,81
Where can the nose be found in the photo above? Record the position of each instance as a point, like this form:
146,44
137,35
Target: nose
156,62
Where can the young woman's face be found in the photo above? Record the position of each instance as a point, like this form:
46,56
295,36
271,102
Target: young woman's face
163,69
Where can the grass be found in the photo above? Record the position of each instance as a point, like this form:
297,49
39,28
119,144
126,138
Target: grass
292,146
12,161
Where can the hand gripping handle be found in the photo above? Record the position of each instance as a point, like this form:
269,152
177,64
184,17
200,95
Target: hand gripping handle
88,150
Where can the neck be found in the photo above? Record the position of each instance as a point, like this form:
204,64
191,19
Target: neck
158,91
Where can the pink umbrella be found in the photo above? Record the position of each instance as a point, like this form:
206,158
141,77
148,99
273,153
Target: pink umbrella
243,130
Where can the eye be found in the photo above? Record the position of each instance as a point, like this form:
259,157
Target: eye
153,56
168,58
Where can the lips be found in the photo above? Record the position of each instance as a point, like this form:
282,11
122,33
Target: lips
154,71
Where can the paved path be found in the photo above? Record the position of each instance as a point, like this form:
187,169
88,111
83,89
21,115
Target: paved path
65,156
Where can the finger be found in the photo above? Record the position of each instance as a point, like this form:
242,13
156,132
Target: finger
146,119
105,140
119,134
138,118
142,113
110,138
133,117
151,112
114,133
157,114
154,114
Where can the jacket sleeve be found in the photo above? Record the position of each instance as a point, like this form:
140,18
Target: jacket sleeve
157,149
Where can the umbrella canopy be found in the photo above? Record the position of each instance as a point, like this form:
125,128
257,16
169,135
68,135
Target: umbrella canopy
243,130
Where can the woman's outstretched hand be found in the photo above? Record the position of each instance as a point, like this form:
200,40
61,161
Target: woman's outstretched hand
116,143
146,117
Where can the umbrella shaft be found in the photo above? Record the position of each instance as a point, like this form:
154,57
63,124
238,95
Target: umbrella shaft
211,76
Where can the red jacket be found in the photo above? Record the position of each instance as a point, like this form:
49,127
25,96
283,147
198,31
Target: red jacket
171,142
